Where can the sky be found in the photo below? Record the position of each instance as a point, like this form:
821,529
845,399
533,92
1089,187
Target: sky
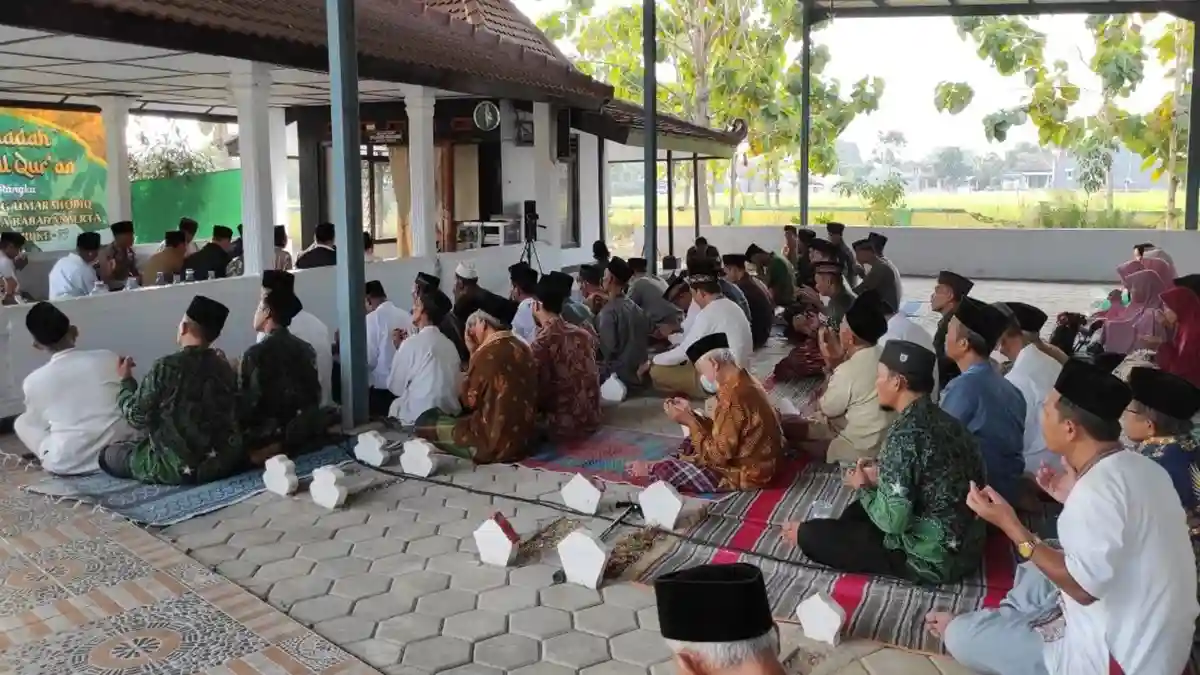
913,55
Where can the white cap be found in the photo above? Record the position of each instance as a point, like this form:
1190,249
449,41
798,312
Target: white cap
466,271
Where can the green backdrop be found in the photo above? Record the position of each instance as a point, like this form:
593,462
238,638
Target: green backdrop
209,199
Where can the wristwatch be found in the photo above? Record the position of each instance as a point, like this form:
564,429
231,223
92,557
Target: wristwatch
1025,549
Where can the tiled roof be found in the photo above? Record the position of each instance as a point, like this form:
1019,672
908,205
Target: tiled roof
629,114
477,47
502,18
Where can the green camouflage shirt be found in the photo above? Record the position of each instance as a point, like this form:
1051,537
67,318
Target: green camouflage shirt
926,464
185,405
280,394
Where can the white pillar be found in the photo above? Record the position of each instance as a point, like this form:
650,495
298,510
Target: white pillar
545,174
251,83
279,165
114,111
422,170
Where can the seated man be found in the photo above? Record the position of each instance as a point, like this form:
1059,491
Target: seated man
573,312
855,423
323,252
279,402
188,228
426,372
118,259
881,277
986,403
679,295
649,293
1159,420
186,405
831,285
622,328
499,397
670,371
449,325
1033,373
739,448
591,287
1119,596
780,276
908,519
524,280
568,386
71,408
383,319
212,260
167,263
469,297
306,326
762,310
74,275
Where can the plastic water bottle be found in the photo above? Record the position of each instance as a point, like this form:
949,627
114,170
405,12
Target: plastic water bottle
160,279
99,288
131,283
190,276
177,279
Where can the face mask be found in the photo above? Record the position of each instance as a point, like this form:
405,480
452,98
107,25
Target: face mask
708,385
260,337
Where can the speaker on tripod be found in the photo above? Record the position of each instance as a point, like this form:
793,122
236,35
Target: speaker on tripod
529,253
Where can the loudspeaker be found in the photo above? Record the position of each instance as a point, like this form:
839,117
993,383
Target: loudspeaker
670,263
531,220
562,144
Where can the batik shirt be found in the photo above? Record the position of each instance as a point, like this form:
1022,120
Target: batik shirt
280,396
577,314
743,441
500,392
186,406
568,380
1180,456
926,465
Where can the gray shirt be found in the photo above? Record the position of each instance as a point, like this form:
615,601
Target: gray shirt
624,333
647,293
882,279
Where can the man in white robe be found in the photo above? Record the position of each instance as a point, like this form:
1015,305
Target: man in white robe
1034,373
1119,596
524,282
307,327
426,371
383,320
71,410
900,327
74,275
670,371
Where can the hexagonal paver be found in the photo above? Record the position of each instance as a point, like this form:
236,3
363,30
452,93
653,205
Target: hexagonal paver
605,621
453,563
323,550
473,669
640,647
446,603
409,628
475,625
360,533
203,539
441,516
540,622
237,570
389,519
306,535
543,668
479,579
532,576
378,547
341,519
290,591
215,555
340,568
410,531
417,584
269,553
378,653
361,586
397,564
383,606
316,610
575,650
345,629
421,504
291,521
255,538
459,529
431,546
508,599
507,652
282,569
628,595
648,618
437,653
613,668
569,597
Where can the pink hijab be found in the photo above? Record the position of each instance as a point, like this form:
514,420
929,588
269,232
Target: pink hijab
1125,331
1129,267
1159,254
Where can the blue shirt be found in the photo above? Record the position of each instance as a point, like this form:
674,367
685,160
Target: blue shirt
994,411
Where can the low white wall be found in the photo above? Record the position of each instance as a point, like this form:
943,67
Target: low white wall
143,323
1035,255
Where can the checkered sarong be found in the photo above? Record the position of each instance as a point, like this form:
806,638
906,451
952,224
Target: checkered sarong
685,476
437,427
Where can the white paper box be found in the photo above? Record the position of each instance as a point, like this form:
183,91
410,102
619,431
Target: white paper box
821,618
582,494
661,505
371,448
328,487
497,541
613,391
279,475
419,458
584,558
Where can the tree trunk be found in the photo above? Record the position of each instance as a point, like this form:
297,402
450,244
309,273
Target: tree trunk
733,190
1173,147
1108,194
699,40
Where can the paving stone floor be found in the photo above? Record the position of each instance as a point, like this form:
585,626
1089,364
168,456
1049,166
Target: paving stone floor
393,578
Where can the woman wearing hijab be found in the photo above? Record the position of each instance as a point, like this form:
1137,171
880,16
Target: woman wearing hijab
1139,325
1180,355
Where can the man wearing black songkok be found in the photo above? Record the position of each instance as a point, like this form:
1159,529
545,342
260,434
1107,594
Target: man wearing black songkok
1033,372
881,276
842,252
118,261
758,297
908,519
186,407
717,619
622,327
948,293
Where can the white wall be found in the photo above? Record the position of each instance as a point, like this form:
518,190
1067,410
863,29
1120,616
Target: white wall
1043,255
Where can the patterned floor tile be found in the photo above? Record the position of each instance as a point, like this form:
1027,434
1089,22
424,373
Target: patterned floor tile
22,514
314,651
23,587
85,564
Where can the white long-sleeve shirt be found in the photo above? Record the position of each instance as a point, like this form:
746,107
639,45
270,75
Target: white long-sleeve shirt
71,410
71,277
720,316
1034,373
523,324
380,349
426,373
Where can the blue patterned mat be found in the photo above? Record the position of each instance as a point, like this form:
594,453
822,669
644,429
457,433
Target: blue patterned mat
162,505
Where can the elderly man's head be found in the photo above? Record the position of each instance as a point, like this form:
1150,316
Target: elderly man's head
717,619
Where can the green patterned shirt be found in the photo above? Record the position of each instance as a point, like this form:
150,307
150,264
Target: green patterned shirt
280,394
186,407
926,464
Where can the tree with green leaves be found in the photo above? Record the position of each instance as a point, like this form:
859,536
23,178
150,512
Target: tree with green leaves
730,60
951,166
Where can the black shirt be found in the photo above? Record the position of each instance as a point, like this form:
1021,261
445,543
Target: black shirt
947,368
317,256
209,262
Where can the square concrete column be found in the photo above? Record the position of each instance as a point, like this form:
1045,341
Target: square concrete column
545,174
422,171
114,112
251,82
279,166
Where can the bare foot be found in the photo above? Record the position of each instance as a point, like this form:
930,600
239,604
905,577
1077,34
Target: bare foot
638,469
791,533
937,622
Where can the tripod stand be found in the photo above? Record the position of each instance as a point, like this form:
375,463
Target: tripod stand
529,255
